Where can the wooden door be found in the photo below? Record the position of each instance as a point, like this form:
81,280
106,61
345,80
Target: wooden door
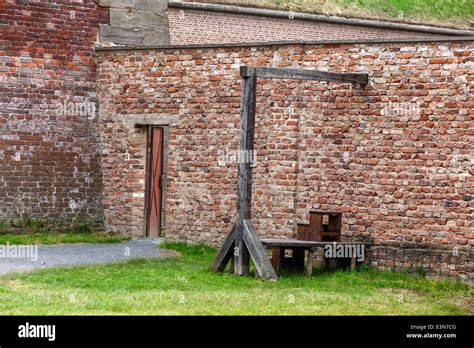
155,172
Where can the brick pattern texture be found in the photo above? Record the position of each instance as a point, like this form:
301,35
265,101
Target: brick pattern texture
49,159
201,27
395,157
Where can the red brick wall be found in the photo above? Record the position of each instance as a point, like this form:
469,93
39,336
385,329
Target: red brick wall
395,157
49,160
195,26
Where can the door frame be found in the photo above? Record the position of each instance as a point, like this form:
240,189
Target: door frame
164,178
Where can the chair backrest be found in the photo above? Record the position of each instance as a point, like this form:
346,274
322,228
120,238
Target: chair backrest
323,226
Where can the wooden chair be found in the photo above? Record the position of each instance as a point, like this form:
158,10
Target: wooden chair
324,226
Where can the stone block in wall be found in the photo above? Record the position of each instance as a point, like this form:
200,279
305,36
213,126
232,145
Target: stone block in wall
122,36
154,37
136,22
132,18
155,6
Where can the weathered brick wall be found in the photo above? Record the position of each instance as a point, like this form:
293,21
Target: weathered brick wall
196,26
396,157
49,159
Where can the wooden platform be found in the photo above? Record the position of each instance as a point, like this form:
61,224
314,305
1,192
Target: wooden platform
270,242
299,247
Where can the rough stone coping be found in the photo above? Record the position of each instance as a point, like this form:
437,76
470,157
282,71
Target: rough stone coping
288,42
317,18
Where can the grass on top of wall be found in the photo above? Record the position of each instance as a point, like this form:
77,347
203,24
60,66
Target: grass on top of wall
184,286
453,13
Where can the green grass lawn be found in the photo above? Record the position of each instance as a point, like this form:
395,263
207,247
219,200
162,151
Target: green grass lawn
183,285
37,231
59,238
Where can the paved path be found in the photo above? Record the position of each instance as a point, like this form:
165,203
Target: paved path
79,254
